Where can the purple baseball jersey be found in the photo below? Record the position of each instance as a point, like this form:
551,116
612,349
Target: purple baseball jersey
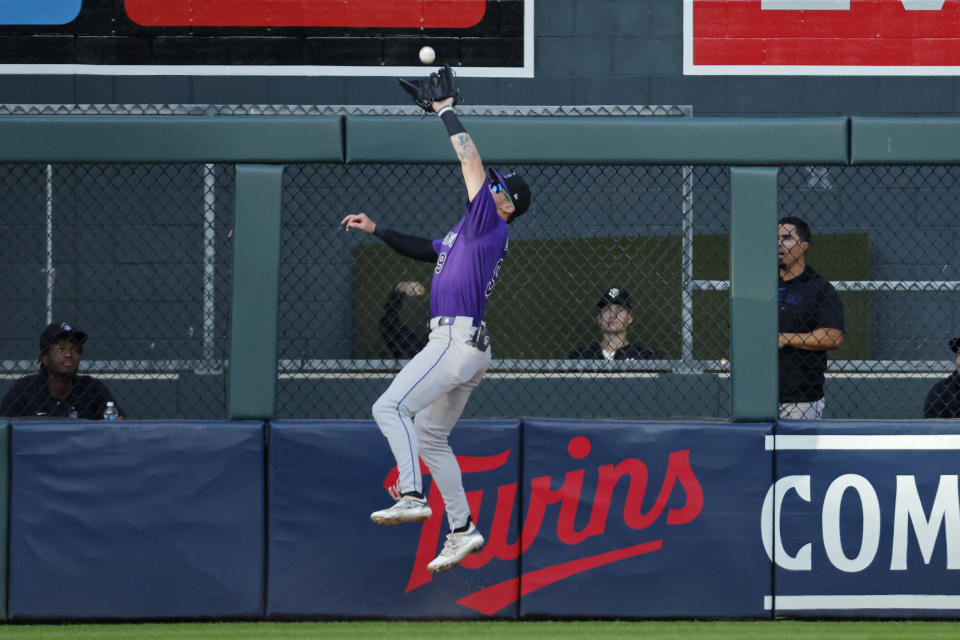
469,260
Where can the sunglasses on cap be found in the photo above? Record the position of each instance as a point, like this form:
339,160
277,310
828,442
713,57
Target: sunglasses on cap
496,187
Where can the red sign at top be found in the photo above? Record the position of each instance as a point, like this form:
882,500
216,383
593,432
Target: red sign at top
743,36
426,14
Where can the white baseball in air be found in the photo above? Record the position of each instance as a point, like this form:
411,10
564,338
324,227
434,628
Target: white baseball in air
427,55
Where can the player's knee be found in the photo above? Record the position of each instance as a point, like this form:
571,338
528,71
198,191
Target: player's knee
386,408
380,409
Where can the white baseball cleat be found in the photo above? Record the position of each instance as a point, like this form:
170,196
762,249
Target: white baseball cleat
457,547
406,509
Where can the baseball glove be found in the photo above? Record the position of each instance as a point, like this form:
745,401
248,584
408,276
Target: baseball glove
438,85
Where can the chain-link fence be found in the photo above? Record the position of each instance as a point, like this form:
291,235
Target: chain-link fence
885,237
649,240
138,257
613,301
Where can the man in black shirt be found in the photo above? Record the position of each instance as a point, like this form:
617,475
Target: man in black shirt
615,318
810,324
402,341
58,391
943,401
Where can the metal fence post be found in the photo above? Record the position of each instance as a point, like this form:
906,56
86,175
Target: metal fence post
256,283
753,291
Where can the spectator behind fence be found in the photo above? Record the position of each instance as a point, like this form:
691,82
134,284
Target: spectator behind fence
810,324
615,318
402,342
58,391
943,401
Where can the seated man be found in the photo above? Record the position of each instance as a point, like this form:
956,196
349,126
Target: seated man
58,391
614,319
943,401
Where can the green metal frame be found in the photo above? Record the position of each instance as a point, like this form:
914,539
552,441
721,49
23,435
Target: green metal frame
904,141
605,140
248,139
256,292
753,294
261,146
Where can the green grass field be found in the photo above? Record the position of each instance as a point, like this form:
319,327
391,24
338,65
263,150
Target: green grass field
602,630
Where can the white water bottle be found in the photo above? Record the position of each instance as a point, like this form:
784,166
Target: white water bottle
110,411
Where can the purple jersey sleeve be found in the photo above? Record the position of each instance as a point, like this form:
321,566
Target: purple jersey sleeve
469,260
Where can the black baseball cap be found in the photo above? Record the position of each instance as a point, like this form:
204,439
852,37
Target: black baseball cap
59,331
955,344
516,188
615,295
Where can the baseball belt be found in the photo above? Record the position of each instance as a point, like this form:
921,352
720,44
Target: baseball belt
479,336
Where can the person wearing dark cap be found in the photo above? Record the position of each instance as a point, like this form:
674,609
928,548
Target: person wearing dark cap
943,401
58,391
615,318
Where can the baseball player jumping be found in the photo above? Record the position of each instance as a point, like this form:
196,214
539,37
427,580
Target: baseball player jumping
425,400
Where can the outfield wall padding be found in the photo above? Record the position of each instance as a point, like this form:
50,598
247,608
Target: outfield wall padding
690,545
681,538
4,512
582,518
135,520
869,519
328,559
626,140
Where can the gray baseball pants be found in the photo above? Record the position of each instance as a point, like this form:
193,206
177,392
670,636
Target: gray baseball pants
419,409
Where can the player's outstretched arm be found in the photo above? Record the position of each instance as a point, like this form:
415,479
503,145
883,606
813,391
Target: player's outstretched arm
409,246
474,176
359,221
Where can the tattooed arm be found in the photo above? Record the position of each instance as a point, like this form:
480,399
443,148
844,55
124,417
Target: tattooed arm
474,176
